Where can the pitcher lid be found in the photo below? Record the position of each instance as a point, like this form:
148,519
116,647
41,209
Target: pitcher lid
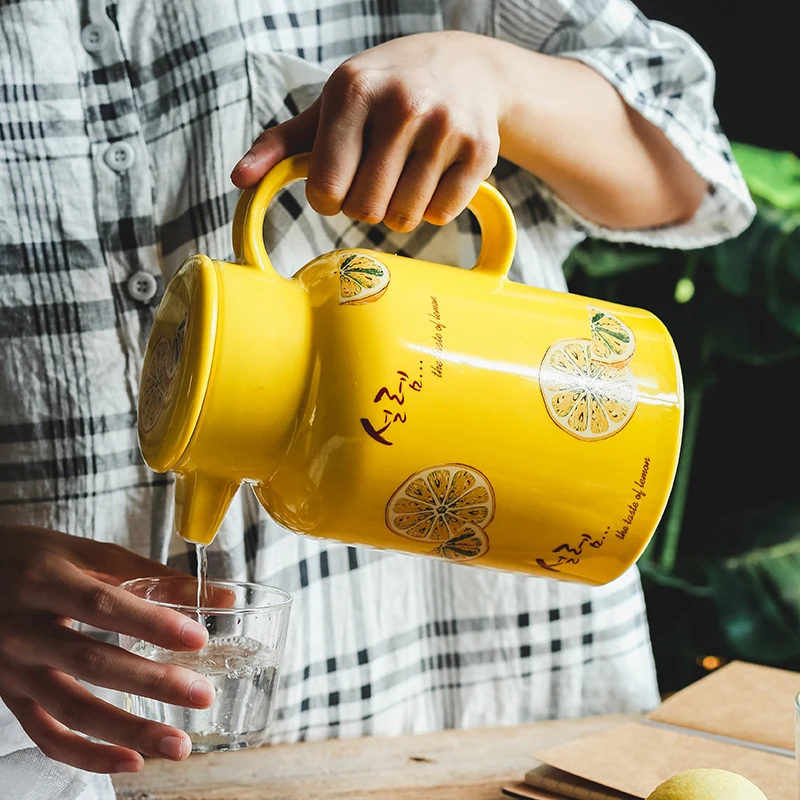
177,363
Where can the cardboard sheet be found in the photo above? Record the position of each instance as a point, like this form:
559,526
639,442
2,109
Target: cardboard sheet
739,718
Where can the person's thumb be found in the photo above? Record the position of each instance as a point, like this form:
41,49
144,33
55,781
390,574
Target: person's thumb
293,136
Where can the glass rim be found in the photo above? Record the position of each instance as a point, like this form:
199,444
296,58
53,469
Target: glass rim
284,602
797,702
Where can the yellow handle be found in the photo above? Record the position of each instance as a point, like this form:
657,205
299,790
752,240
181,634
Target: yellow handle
498,228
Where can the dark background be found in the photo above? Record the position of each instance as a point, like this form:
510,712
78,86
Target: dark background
733,592
754,48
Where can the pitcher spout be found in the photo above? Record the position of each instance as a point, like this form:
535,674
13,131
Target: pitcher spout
225,377
201,502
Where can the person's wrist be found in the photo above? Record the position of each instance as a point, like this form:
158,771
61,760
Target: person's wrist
504,67
513,75
494,60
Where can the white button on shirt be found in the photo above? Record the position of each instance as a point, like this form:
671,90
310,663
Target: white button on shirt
142,286
120,156
94,37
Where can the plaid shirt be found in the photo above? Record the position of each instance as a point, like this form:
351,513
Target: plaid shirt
119,124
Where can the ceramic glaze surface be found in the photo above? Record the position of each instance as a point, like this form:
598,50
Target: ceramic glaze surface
389,402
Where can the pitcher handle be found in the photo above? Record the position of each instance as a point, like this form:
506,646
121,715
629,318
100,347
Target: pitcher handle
494,215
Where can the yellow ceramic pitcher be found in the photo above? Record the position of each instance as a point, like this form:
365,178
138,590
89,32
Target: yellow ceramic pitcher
389,402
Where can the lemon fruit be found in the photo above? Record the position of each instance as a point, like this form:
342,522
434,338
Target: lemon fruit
362,279
467,545
583,396
613,342
154,385
435,504
707,784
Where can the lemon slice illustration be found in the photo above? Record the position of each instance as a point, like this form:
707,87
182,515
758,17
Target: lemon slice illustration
362,279
585,397
177,347
467,545
434,505
613,342
154,385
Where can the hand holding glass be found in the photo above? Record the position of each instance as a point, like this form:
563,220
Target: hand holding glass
247,626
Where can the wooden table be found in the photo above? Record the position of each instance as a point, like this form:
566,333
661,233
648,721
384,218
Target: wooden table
454,765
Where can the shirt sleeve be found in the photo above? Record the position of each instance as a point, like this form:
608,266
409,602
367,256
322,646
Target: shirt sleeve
661,72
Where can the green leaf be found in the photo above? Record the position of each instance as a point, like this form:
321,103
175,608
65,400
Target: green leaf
786,221
783,286
763,264
743,330
771,175
570,266
739,263
792,255
757,596
599,259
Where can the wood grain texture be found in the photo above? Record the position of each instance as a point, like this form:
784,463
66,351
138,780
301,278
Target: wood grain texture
453,765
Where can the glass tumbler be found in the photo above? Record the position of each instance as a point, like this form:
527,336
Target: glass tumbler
246,624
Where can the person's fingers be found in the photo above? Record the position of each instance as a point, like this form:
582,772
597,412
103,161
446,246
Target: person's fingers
392,128
433,153
460,182
338,145
43,642
59,743
69,592
412,195
184,593
114,564
75,707
181,590
218,597
274,144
